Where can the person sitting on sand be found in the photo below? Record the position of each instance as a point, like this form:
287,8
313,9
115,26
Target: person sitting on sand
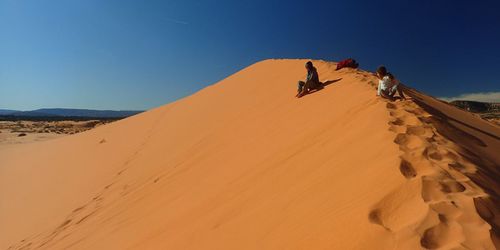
388,85
312,81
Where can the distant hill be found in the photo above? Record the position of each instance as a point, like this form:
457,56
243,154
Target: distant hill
487,111
7,111
62,112
477,107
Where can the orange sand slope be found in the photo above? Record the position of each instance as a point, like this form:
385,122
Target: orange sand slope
243,164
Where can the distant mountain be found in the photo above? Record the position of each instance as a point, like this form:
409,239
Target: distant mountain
7,111
61,112
487,111
477,107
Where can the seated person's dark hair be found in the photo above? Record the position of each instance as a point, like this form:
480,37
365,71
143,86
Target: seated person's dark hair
382,70
309,64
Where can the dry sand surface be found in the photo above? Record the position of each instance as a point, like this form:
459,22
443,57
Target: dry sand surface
495,121
242,164
20,132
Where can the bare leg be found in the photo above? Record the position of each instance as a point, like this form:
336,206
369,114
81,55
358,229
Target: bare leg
387,95
302,93
300,88
308,86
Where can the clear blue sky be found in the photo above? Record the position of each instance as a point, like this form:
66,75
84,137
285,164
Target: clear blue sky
122,54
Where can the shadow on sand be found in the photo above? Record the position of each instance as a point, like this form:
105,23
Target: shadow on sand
323,85
330,82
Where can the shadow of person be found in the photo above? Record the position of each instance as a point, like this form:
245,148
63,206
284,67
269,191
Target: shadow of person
326,83
322,86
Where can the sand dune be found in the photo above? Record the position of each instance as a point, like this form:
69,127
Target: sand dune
242,164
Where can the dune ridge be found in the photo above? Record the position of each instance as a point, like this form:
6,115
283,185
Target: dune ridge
448,219
244,165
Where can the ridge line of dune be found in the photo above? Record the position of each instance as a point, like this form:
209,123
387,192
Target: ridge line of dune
427,157
477,141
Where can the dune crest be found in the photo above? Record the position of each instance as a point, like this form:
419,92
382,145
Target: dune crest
242,164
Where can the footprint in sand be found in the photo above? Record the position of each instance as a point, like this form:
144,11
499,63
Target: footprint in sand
391,106
418,131
432,153
401,139
451,186
415,111
397,122
445,233
443,184
407,169
431,190
462,168
408,142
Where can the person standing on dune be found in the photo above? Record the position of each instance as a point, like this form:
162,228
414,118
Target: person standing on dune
388,85
312,81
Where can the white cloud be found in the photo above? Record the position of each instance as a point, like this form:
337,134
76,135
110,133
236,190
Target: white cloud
177,21
479,97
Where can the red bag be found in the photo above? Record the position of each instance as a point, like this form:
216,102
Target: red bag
347,63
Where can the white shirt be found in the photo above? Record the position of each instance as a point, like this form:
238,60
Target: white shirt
387,85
